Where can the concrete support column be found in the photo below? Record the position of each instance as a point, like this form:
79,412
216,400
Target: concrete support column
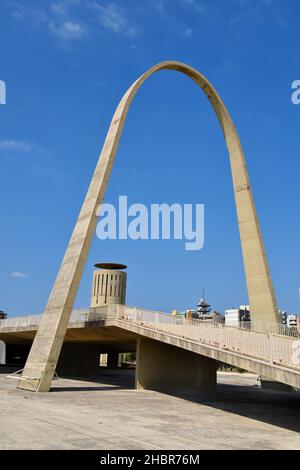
2,353
164,367
113,360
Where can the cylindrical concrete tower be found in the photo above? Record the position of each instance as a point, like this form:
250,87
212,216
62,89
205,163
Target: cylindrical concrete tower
109,284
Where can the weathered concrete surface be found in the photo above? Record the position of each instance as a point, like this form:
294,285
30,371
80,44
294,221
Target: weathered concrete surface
276,372
108,287
89,333
114,336
46,347
166,368
111,415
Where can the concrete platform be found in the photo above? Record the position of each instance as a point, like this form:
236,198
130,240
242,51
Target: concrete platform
107,413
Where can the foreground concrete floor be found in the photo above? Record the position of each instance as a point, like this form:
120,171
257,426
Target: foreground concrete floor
109,414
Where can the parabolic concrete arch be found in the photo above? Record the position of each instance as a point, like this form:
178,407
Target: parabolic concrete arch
44,354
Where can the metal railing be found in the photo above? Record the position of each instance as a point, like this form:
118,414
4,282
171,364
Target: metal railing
21,322
77,316
268,327
33,321
271,347
261,341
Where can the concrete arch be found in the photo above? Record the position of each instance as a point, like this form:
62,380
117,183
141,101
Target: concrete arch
46,348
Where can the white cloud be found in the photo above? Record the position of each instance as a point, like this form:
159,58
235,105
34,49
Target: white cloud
35,15
19,275
70,20
32,155
199,7
113,18
67,30
62,7
254,10
15,145
57,19
188,32
61,23
266,2
188,2
160,6
18,12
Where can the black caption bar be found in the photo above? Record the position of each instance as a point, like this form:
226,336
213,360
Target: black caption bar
135,459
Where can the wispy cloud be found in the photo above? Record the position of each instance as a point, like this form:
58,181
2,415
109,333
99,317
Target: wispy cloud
61,22
19,275
251,10
188,32
15,145
72,20
195,5
32,156
241,13
188,2
61,7
67,30
160,6
58,19
113,18
164,7
35,15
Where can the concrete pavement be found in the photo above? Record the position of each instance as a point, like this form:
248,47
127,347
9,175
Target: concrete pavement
110,414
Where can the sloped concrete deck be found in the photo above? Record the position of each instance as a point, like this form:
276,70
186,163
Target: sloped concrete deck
267,354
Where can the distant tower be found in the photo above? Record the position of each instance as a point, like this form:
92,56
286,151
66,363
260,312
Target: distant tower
203,307
109,285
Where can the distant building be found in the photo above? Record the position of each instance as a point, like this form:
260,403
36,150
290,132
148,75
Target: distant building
235,316
186,314
203,308
2,315
284,316
190,314
292,321
214,317
204,312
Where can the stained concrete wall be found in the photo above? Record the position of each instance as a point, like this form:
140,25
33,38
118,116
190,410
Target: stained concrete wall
164,367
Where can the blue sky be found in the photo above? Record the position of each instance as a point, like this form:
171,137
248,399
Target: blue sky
66,64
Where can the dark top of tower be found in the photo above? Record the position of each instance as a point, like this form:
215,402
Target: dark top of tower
110,266
203,307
